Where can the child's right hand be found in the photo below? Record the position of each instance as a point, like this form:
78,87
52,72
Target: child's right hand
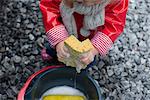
62,51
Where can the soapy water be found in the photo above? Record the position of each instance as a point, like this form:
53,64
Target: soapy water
63,90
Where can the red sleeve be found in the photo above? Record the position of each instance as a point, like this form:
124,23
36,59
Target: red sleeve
115,17
55,30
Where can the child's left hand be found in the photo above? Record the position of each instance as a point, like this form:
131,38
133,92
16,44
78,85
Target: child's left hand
88,57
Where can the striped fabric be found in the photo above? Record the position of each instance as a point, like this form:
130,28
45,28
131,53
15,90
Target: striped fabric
102,42
56,35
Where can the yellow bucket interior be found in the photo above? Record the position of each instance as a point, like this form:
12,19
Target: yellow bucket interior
63,97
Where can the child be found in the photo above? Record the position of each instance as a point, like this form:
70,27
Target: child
102,21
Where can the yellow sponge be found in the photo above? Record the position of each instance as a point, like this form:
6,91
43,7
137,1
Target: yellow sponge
80,47
63,97
76,48
73,43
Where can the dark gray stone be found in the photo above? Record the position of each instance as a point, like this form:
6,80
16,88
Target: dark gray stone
16,59
100,64
1,73
133,38
125,84
31,37
23,10
14,89
123,74
110,72
137,59
35,52
142,45
30,26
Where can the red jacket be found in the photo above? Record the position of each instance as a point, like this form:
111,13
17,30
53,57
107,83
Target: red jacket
115,16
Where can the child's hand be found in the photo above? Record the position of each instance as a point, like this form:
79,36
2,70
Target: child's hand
88,57
62,51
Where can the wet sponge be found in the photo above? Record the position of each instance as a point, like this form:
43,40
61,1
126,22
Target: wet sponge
76,48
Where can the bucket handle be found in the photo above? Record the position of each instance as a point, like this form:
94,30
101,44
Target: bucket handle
23,90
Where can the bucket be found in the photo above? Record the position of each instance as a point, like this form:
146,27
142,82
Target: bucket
54,76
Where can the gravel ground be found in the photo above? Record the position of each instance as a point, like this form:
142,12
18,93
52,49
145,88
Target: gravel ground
123,75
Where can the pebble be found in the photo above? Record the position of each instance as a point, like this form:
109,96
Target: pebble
139,35
142,45
110,72
100,64
25,47
26,21
2,49
143,61
125,84
35,52
23,10
137,59
136,17
14,89
1,74
123,74
31,37
30,26
96,75
18,25
27,31
17,59
38,33
133,38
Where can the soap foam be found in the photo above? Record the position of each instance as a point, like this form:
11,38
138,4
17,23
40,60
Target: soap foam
63,90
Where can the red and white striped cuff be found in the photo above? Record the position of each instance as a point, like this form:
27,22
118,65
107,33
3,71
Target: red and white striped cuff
56,35
102,42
